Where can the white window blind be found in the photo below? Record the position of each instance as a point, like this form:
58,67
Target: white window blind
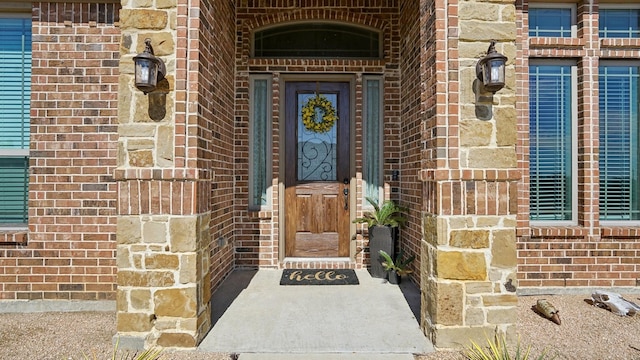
619,23
551,144
619,143
15,93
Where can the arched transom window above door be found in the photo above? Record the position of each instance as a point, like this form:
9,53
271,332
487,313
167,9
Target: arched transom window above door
317,40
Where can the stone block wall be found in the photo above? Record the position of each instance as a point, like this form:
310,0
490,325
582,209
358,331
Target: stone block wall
164,195
68,252
469,176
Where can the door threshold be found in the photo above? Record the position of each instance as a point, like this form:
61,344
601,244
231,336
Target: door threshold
317,263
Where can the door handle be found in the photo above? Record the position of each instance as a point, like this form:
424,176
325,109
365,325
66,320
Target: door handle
346,198
345,192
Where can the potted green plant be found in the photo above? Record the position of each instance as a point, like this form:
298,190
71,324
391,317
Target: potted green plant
382,223
398,268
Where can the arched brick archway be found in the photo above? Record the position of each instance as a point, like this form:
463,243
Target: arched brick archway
193,162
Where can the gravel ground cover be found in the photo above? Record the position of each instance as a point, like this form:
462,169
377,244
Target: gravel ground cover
586,333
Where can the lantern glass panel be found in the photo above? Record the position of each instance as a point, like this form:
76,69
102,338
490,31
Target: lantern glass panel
146,72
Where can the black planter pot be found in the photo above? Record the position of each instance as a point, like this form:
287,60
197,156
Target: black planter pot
394,278
380,238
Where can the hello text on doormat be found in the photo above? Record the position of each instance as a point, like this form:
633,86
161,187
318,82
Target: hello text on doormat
319,277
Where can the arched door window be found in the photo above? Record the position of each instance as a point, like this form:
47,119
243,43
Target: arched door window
317,40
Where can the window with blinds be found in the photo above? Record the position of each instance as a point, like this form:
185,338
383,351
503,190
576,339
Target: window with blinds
619,181
618,22
552,20
15,93
552,142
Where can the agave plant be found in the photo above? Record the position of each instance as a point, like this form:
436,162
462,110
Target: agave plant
387,214
497,349
149,354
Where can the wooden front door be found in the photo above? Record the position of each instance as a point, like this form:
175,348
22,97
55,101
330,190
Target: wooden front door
317,175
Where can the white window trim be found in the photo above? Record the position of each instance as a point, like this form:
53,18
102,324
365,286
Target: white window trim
574,12
574,145
365,78
268,138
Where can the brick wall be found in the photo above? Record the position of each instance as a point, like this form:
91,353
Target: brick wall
589,253
410,126
70,250
217,129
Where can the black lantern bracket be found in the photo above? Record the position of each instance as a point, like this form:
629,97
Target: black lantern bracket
149,69
490,70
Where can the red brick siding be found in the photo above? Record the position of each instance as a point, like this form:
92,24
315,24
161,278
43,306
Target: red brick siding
588,254
216,127
70,251
410,129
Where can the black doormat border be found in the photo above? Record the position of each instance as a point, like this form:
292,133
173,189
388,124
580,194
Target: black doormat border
319,277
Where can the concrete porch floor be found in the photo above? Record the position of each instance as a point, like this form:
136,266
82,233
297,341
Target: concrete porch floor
257,318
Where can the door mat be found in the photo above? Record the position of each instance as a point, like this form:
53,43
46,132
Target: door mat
319,277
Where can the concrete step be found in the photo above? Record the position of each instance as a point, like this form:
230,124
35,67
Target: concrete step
324,356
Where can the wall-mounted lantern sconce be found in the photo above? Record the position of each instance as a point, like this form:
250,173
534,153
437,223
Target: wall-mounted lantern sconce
490,69
149,69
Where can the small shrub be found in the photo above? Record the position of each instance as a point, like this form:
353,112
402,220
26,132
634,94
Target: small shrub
498,349
149,354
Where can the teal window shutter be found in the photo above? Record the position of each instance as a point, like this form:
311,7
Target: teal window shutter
551,182
15,95
619,182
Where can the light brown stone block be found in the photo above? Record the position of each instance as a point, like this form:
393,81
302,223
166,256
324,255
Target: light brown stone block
134,322
492,158
143,19
168,339
458,265
503,249
141,158
475,133
145,278
140,299
154,232
469,239
162,261
176,302
500,300
182,232
478,287
163,43
461,337
128,230
449,303
502,316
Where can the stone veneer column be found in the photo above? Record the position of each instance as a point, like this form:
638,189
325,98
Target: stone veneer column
163,227
469,244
